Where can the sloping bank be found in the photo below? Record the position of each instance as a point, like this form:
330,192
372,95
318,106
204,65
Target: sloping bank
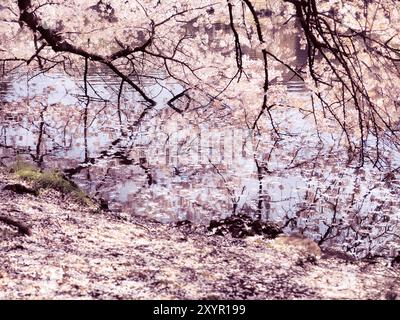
74,251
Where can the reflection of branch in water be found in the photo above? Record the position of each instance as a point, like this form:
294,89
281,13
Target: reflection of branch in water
143,164
234,199
39,158
121,87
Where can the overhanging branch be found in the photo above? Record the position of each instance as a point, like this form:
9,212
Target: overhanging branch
58,44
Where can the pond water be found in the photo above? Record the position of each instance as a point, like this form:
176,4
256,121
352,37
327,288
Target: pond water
172,170
107,161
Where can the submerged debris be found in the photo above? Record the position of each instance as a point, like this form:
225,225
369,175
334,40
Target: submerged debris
396,261
242,226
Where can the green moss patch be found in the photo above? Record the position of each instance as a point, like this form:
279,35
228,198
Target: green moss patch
49,179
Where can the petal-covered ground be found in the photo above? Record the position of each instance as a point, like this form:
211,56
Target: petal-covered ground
75,252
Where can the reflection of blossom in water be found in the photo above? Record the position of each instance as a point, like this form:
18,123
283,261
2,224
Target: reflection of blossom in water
204,154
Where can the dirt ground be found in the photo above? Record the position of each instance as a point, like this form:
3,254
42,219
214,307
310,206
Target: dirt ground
75,252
